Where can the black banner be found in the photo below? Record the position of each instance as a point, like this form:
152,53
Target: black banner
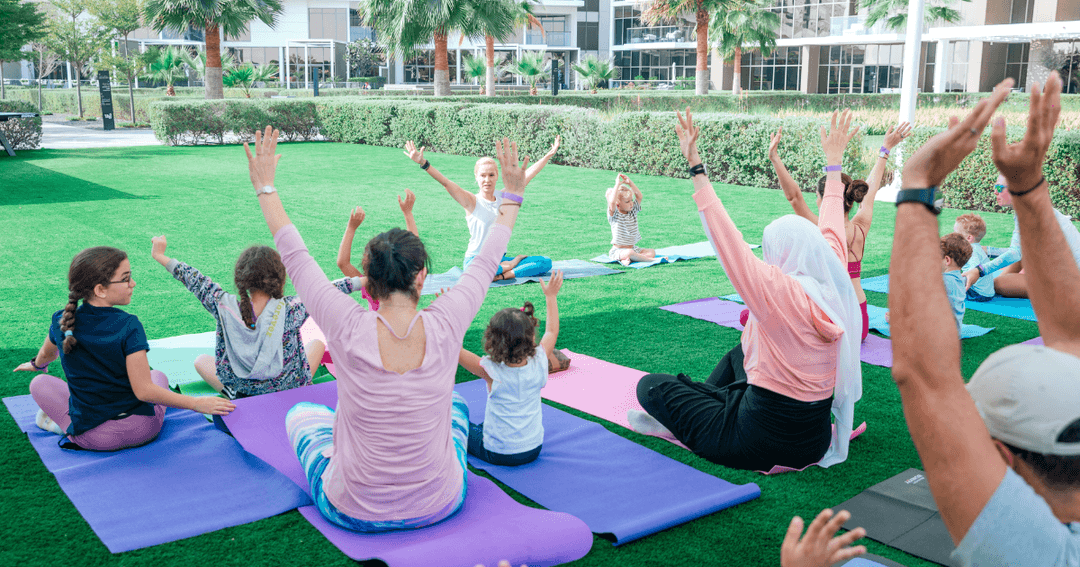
106,100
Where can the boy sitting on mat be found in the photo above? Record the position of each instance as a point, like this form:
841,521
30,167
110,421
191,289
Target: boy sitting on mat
624,204
1002,454
515,370
955,251
973,228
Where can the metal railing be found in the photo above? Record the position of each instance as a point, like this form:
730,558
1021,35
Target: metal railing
658,34
557,39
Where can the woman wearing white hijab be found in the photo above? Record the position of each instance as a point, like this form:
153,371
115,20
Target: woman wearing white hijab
771,400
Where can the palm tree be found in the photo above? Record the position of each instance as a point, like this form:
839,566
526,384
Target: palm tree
659,11
197,63
214,17
475,68
165,65
936,11
531,67
742,23
498,19
595,70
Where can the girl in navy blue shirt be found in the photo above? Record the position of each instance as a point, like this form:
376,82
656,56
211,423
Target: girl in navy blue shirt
111,400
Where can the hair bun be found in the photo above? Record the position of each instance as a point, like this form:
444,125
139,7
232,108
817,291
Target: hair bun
528,309
857,190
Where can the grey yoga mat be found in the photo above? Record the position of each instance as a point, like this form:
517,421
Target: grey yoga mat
900,512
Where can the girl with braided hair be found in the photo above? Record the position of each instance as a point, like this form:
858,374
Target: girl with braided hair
111,400
258,347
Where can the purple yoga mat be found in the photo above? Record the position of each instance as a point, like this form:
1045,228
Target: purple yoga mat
622,490
1038,341
489,527
168,489
875,350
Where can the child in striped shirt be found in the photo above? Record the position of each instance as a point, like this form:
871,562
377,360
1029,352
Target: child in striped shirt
624,203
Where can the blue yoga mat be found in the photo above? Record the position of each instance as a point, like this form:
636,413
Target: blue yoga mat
571,269
670,254
170,489
620,489
1015,308
879,324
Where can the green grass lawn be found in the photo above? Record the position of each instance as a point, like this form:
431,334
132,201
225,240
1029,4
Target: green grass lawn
55,203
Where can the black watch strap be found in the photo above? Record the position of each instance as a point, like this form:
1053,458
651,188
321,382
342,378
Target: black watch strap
698,169
927,196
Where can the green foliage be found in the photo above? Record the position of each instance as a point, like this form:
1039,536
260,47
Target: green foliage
22,133
595,70
20,23
747,22
166,65
196,122
76,41
197,63
894,12
532,67
971,186
365,57
474,67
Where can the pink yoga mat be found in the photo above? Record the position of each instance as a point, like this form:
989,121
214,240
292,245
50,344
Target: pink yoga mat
489,527
875,350
608,391
309,331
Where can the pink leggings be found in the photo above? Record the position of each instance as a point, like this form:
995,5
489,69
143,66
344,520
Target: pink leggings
51,395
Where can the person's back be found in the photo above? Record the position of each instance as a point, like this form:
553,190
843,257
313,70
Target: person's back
512,419
955,252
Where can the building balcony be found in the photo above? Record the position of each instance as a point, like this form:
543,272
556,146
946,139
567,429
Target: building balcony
855,25
552,39
660,34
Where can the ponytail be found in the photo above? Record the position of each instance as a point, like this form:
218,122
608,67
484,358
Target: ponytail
247,311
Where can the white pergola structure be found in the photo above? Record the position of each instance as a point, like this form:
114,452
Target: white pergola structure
308,44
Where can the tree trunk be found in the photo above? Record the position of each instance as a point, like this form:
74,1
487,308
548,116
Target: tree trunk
212,74
39,96
489,80
78,87
442,66
736,83
131,97
3,94
701,75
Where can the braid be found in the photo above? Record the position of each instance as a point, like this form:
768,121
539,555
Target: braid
246,309
67,322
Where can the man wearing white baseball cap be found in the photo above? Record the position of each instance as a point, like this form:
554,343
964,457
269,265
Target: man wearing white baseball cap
1002,455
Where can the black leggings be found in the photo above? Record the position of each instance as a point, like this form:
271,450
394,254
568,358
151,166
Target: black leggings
732,423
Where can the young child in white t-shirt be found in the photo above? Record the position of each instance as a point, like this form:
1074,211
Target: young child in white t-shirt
515,369
624,204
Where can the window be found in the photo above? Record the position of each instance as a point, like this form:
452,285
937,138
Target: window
780,71
860,68
655,65
1016,62
1066,59
556,32
421,69
328,23
588,36
809,18
1021,12
626,17
357,29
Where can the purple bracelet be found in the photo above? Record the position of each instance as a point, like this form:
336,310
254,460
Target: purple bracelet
829,168
511,197
884,150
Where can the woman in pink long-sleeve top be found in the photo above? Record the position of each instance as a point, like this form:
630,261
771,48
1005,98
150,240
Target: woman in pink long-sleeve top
393,454
769,400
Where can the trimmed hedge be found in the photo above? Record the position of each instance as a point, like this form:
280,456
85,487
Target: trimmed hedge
971,186
734,146
22,133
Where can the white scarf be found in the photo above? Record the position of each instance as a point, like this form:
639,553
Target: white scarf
797,247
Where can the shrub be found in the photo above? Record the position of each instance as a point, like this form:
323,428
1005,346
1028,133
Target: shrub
22,133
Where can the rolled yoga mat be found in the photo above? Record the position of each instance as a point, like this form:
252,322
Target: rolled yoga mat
622,490
571,269
874,350
900,512
162,491
670,254
490,526
1016,308
607,390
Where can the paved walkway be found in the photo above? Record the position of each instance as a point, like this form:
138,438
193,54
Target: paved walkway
63,137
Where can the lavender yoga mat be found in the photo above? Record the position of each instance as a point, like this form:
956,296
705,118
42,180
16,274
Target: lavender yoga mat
159,492
623,491
489,527
875,350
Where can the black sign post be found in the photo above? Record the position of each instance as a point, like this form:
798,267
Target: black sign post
315,80
106,100
556,77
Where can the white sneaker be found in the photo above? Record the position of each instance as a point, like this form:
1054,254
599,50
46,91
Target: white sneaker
47,424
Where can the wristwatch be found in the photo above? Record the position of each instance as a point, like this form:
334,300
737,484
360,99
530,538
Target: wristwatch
266,190
926,196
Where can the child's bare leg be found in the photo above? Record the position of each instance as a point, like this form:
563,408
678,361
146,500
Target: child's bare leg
1013,268
315,350
1011,285
206,368
646,255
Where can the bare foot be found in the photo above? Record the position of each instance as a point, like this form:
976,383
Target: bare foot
558,362
646,424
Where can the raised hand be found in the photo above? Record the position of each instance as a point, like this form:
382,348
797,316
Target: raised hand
688,135
407,204
819,548
213,405
158,246
1022,163
356,218
836,139
551,288
629,182
263,164
940,155
513,170
896,134
774,143
554,146
413,153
